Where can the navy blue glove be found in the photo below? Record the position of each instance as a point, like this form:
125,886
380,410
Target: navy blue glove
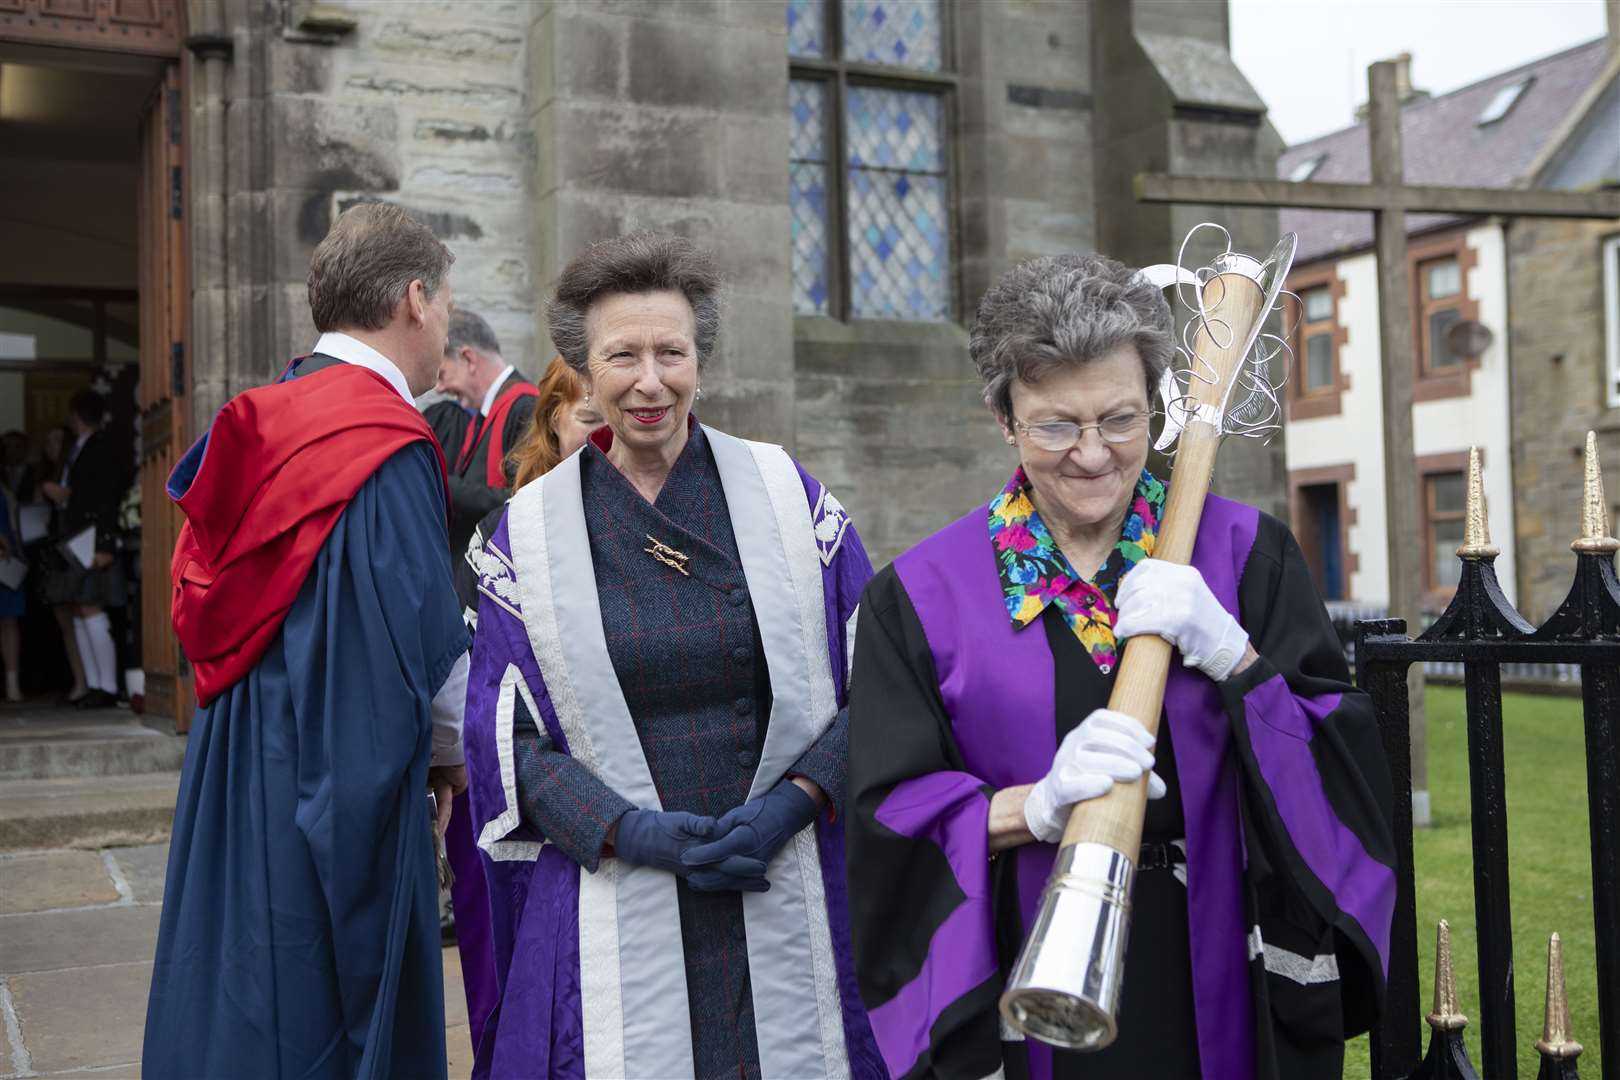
657,838
757,829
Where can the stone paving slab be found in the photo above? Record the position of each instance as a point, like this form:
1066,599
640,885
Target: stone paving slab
39,881
144,869
84,1017
86,811
48,940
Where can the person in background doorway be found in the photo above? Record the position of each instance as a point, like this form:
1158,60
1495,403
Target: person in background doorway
495,404
12,603
46,562
19,475
87,492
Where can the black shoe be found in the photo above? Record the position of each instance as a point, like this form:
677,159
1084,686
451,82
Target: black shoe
97,699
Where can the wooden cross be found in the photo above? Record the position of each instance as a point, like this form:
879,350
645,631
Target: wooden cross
1389,200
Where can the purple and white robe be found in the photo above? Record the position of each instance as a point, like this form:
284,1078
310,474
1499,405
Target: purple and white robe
1281,776
589,965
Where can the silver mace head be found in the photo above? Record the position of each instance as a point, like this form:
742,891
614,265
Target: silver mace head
1252,408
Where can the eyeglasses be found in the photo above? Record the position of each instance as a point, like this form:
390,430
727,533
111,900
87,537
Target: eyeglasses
1061,436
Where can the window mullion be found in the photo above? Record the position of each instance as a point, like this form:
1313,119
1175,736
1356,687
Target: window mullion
838,183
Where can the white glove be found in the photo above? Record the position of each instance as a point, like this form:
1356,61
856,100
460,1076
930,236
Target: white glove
1107,747
1172,601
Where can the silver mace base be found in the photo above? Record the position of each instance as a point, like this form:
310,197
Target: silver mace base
1065,989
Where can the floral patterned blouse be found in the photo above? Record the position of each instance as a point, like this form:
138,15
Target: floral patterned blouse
1034,572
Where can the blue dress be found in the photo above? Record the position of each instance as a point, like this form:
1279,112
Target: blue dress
300,927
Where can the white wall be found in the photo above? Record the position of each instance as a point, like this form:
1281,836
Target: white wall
1356,434
1481,419
1445,426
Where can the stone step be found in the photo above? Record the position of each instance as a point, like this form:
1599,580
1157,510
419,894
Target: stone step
87,811
46,743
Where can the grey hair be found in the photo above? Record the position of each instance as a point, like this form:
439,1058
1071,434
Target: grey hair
637,263
1058,311
469,328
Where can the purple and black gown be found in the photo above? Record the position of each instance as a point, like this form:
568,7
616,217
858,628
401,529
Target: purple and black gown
1259,941
605,678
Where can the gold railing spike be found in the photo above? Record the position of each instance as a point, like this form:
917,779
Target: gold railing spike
1557,1041
1476,526
1445,1015
1595,538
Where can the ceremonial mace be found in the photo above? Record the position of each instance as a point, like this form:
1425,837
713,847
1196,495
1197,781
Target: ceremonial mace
1065,988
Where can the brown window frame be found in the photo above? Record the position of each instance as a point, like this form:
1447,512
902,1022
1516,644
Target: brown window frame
1309,404
837,75
1430,383
1429,467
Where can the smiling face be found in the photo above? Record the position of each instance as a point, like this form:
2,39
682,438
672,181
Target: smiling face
1092,482
643,368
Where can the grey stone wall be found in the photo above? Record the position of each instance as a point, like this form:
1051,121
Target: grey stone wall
673,116
1555,283
418,104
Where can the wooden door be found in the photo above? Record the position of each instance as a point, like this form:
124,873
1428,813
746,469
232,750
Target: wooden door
165,388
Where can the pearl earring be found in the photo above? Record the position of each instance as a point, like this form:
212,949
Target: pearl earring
697,395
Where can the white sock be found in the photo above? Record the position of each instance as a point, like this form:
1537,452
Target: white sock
87,659
13,686
98,629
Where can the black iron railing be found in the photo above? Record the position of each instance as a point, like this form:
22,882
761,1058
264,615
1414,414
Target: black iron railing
1481,631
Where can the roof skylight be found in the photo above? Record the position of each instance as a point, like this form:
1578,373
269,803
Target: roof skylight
1305,169
1503,101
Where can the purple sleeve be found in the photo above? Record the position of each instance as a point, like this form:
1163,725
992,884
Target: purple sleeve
525,787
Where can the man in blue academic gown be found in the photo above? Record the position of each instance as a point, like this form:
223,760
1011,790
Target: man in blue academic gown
313,597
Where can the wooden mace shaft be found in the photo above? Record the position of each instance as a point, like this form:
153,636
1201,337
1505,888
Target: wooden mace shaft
1231,304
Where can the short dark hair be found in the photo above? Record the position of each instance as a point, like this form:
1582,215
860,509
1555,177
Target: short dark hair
369,258
88,406
1057,311
640,262
469,328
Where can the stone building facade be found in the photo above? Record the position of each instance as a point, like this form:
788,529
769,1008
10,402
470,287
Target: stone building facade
524,131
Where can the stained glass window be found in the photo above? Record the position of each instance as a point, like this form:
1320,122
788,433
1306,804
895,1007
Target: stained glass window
807,27
897,250
807,195
901,33
870,231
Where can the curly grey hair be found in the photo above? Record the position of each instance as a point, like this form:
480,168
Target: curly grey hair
637,263
1055,311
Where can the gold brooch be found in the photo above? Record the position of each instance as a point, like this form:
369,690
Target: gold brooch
675,560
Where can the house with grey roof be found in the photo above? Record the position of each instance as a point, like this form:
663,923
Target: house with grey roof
1515,347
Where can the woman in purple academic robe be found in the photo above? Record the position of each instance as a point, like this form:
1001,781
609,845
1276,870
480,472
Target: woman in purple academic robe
983,668
657,746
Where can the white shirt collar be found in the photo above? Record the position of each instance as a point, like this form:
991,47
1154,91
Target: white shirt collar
489,395
354,351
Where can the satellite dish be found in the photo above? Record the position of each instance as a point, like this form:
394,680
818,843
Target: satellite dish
1469,339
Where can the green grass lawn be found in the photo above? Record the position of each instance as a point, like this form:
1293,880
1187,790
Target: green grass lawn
1551,868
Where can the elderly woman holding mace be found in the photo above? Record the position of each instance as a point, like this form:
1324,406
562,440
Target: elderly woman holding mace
989,698
655,741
